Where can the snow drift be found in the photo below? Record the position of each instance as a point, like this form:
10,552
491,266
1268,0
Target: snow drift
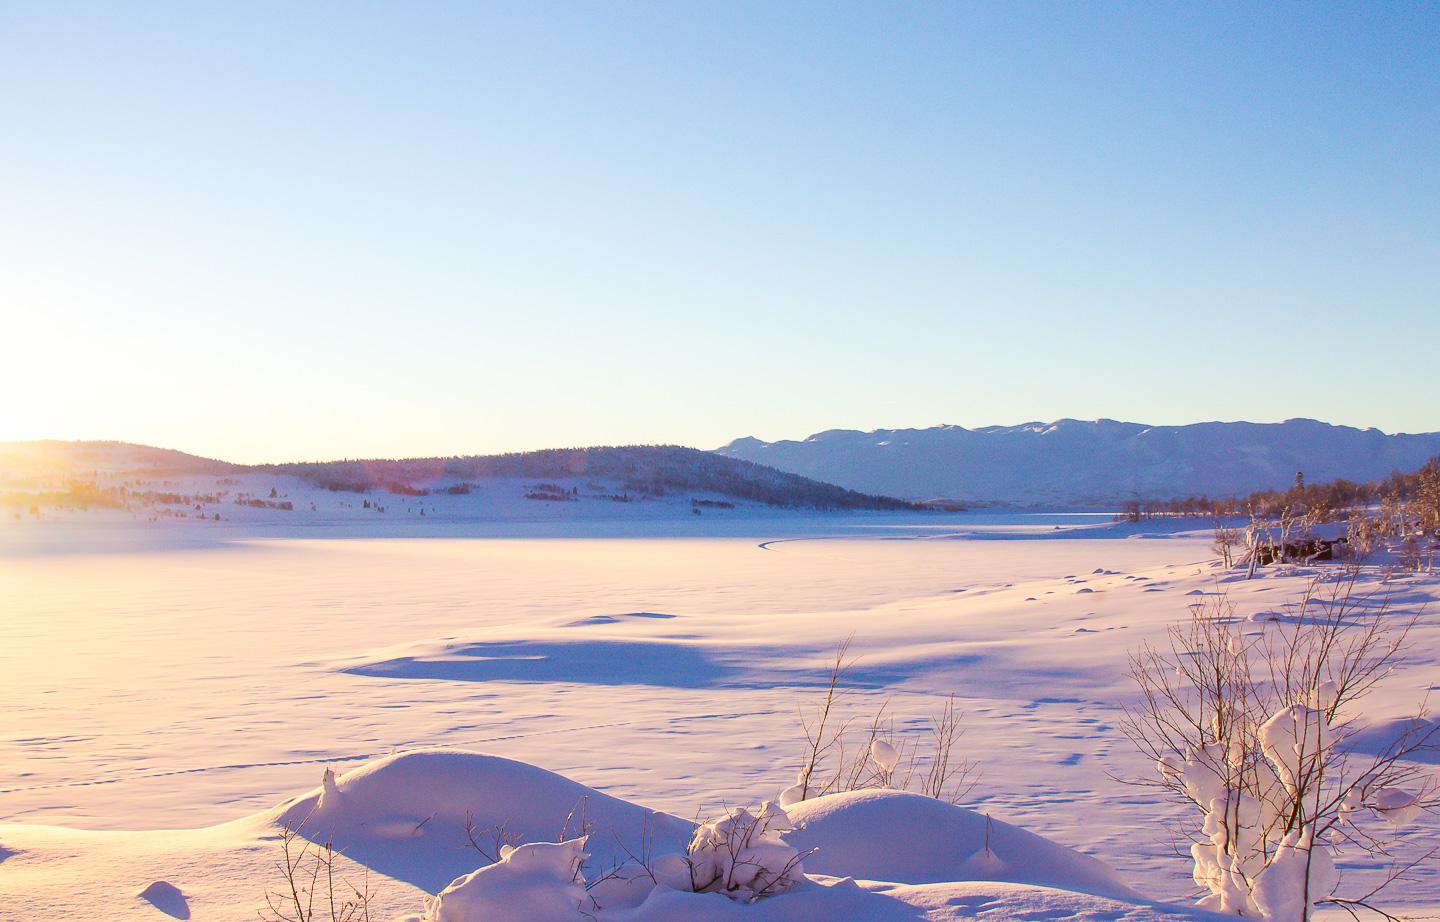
413,815
566,852
909,838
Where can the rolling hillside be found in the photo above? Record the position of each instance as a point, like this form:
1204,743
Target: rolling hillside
644,470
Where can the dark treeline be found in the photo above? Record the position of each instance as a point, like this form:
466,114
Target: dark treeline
1417,492
647,470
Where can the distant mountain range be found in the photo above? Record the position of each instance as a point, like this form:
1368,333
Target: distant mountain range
645,470
1075,462
1065,463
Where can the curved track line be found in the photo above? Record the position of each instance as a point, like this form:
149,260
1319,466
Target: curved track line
357,757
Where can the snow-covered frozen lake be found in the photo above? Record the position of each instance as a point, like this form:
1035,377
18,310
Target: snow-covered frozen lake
187,676
183,685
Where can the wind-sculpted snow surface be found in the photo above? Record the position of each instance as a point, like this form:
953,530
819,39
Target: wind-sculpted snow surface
903,856
256,656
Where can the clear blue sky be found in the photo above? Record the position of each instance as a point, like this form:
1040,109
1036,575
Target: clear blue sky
277,231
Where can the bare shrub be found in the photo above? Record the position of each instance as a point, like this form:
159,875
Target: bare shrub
1227,539
947,777
1416,553
491,842
822,736
1254,734
312,891
1362,535
842,753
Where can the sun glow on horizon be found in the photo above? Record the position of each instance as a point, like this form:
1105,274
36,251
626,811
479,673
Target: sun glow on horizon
340,237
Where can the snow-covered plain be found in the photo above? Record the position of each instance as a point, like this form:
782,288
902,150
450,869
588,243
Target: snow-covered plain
169,683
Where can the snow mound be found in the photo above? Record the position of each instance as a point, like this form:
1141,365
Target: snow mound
539,882
167,898
413,815
910,839
1389,736
878,854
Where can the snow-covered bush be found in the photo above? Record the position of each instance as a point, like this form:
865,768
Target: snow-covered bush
1252,733
740,855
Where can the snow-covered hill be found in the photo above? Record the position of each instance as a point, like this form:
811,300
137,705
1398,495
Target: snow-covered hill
1080,462
52,458
46,476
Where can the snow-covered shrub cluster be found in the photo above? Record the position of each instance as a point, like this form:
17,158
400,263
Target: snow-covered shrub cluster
740,855
1264,853
1252,733
1249,859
